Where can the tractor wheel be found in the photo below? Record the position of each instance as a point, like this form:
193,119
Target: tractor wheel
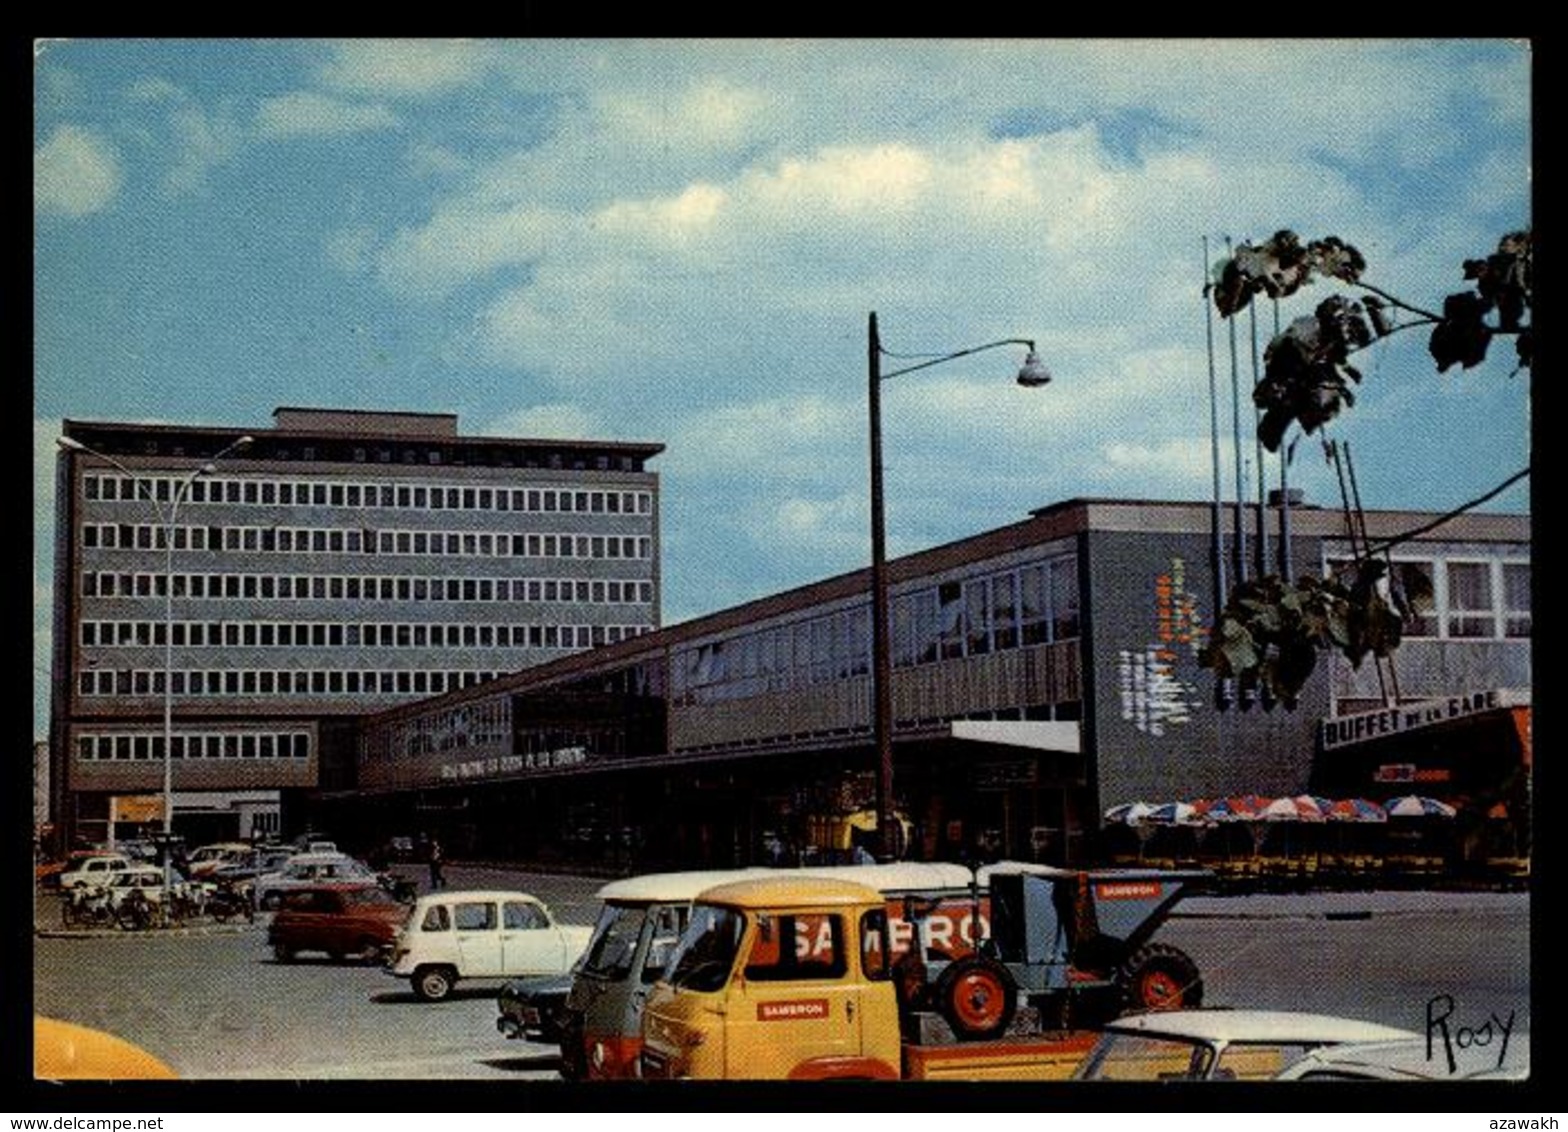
977,996
1159,977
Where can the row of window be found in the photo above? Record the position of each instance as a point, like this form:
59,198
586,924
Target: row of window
1462,598
1029,605
337,540
336,493
287,682
371,634
139,746
484,724
357,587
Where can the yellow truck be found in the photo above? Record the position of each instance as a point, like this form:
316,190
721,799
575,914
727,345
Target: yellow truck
794,978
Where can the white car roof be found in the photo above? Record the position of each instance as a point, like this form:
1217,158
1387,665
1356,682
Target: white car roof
83,863
1283,1026
661,888
898,876
449,894
139,870
1408,1059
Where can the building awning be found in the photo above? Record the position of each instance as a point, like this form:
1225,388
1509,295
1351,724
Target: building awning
1038,735
1384,723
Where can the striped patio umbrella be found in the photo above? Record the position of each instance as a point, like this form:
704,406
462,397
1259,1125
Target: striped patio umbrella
1175,813
1128,813
1356,809
1317,800
1301,808
1416,806
1235,809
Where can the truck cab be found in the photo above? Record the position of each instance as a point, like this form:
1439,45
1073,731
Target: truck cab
643,917
778,978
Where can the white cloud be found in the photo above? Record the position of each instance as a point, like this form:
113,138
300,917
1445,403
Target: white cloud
351,249
558,421
784,439
713,114
76,172
463,242
308,114
202,142
827,529
154,89
1182,459
407,68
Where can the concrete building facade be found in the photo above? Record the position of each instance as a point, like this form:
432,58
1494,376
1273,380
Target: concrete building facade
335,564
1043,672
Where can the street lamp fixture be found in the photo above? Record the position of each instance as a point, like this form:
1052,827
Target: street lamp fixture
1032,375
166,520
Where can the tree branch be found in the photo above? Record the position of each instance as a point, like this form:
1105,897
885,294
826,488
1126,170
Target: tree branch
1398,302
1416,532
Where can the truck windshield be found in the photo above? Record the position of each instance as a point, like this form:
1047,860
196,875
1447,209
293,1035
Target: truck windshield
614,944
706,952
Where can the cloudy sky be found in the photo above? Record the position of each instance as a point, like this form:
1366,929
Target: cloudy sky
680,241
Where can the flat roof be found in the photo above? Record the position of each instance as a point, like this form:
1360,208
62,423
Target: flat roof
368,427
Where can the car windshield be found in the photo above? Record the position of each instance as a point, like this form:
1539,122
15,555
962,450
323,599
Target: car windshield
706,951
1144,1057
1139,1057
614,943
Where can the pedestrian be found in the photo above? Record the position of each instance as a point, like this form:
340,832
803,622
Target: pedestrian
437,880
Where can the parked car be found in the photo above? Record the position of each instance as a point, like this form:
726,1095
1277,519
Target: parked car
138,849
48,873
94,870
263,861
207,859
358,922
147,878
65,1051
304,870
1219,1045
534,1009
453,935
1502,1058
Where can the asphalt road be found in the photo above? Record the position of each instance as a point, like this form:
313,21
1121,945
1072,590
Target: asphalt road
215,1005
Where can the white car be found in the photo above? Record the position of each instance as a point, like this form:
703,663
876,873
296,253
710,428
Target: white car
208,859
482,934
92,871
1504,1057
306,869
1220,1045
105,901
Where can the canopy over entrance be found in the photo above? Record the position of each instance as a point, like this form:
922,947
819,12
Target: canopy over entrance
1462,748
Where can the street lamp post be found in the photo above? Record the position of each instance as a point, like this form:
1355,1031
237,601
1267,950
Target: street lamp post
1032,374
166,520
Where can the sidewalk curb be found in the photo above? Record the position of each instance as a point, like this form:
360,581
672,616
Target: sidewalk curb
148,933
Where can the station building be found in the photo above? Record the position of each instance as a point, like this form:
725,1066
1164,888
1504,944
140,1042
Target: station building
333,565
1043,671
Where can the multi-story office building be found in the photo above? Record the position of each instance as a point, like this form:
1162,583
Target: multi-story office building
1042,672
335,564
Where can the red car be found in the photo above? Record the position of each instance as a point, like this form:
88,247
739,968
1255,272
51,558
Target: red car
357,922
